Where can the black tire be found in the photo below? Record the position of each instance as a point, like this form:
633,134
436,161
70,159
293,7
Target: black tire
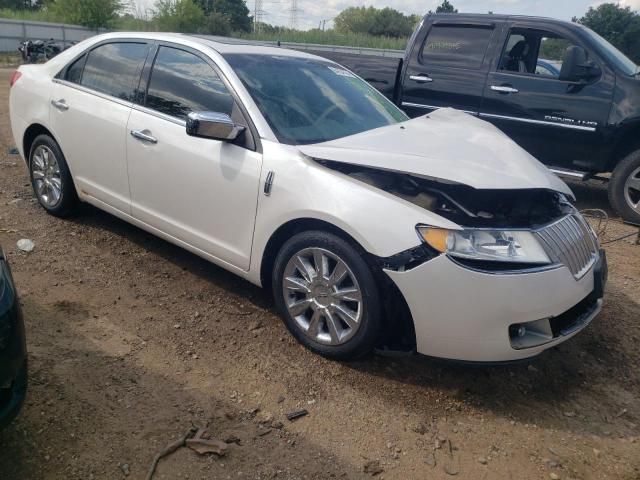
630,165
369,327
68,200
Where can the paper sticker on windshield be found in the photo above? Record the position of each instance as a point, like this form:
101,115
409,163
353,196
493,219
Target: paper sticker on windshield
342,72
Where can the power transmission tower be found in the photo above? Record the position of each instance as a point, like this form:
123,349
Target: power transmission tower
258,12
293,15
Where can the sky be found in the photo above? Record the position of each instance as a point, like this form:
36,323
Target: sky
311,12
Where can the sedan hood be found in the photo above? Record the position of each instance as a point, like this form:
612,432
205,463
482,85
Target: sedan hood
446,145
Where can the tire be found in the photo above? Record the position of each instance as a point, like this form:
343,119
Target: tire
339,327
50,177
624,188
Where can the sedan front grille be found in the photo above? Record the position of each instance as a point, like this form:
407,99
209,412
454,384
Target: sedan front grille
571,242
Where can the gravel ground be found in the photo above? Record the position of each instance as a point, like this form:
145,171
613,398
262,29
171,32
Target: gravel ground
133,341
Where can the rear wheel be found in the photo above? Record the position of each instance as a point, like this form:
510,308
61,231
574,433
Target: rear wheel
624,188
327,295
50,177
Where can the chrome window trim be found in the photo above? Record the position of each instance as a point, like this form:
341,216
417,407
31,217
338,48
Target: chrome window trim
156,113
104,96
538,122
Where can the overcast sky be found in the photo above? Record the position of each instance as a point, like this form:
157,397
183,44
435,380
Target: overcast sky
312,11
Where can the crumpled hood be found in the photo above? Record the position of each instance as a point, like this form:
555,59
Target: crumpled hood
447,145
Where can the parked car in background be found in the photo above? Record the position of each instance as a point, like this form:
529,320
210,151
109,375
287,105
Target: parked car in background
33,51
13,349
548,68
297,175
581,122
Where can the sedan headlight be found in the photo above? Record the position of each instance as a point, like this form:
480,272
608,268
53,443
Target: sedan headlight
516,246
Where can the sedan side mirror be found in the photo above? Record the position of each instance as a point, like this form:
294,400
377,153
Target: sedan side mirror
214,125
577,67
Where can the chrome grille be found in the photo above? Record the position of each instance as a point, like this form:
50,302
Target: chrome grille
570,241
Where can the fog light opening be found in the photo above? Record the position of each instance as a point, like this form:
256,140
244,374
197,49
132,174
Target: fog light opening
530,334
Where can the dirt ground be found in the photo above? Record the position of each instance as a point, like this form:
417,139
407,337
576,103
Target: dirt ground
132,341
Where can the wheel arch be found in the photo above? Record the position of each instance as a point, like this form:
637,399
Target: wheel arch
628,142
398,322
30,134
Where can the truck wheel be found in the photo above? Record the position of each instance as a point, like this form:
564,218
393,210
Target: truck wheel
50,177
327,295
624,188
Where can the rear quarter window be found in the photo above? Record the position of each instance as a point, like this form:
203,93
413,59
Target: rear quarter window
74,71
114,68
456,46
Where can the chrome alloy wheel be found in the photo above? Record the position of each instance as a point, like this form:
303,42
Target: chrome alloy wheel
322,295
632,190
45,172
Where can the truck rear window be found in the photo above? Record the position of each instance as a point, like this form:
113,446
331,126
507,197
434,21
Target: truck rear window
461,46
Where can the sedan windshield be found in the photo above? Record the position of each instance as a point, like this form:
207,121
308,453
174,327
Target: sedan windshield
309,101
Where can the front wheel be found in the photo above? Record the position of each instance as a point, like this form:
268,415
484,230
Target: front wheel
624,188
327,295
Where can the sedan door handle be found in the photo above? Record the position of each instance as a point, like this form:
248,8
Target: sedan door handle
421,78
60,105
503,89
144,135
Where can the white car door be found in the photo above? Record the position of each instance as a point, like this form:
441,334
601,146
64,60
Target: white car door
89,110
200,191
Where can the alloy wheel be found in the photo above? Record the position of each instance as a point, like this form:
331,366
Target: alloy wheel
47,180
323,296
632,190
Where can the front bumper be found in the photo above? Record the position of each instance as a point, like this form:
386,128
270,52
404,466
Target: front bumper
464,314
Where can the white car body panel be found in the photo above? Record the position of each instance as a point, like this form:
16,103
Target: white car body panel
99,166
200,190
483,157
209,196
380,222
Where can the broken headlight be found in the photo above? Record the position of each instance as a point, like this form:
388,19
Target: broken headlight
516,246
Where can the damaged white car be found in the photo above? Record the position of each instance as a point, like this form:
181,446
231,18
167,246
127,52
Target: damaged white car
438,234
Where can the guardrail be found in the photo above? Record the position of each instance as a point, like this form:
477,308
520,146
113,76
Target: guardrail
12,32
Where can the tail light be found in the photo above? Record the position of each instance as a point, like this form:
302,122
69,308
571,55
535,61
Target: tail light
14,78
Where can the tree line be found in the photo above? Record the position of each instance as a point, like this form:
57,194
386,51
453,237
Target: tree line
619,25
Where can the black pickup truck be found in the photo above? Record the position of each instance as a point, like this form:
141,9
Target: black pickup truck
558,89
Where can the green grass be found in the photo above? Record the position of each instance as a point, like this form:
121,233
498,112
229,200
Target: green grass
329,38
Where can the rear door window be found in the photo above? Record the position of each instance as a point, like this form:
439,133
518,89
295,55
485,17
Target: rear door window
114,68
461,46
182,82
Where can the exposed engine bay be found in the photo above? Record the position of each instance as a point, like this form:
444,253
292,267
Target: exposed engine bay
464,205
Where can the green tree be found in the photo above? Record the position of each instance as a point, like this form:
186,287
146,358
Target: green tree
217,24
446,7
179,16
355,20
90,13
235,11
373,21
619,25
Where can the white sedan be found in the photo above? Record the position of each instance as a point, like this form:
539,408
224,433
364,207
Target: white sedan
437,234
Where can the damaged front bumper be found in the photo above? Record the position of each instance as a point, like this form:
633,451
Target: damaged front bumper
470,315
